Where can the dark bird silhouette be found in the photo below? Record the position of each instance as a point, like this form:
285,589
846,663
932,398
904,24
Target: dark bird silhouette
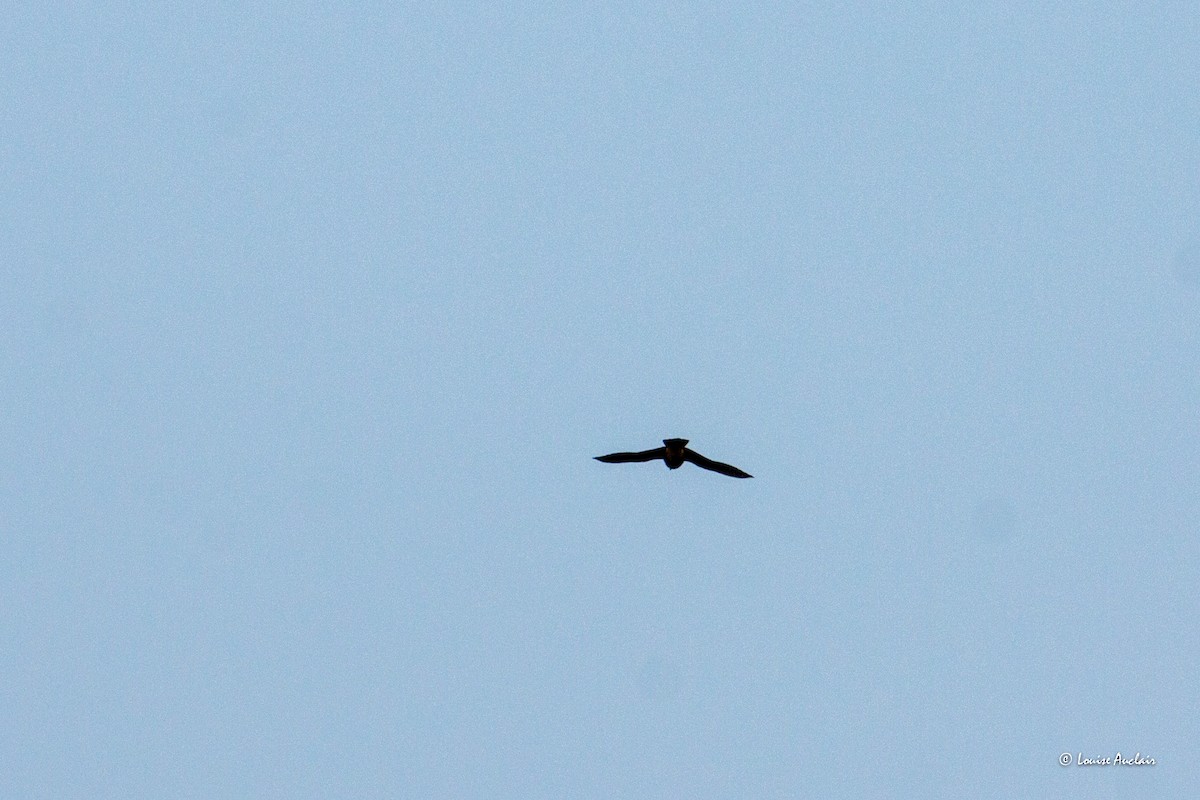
674,453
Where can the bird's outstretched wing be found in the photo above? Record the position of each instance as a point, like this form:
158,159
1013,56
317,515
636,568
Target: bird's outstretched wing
715,466
624,458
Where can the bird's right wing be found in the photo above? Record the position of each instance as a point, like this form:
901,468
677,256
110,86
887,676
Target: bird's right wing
625,458
715,466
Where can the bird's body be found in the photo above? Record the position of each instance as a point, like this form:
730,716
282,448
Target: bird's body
673,453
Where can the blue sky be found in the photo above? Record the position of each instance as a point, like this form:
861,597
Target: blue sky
314,319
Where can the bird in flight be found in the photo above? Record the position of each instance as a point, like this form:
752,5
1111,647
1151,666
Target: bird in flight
674,453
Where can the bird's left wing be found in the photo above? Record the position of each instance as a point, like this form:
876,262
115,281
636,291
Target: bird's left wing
624,458
715,466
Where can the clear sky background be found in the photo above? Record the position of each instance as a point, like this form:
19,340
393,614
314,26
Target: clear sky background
311,322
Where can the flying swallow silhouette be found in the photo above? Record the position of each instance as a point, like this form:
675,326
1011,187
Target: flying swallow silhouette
674,453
